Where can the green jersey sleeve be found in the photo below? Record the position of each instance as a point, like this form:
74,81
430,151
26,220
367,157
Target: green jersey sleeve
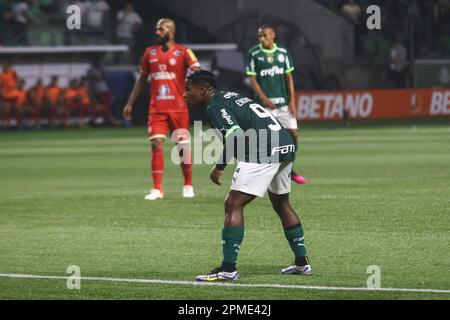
250,66
222,119
289,65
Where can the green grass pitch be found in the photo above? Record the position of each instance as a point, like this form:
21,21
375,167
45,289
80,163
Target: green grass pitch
377,196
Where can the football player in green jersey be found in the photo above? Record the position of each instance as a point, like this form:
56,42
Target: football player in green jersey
269,68
264,164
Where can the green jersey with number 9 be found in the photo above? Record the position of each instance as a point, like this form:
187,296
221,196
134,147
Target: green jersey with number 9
266,140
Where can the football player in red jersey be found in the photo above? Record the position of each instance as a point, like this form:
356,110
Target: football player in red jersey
166,64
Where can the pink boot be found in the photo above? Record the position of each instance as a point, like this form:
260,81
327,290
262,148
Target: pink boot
298,179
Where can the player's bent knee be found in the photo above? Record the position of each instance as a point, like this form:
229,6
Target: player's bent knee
229,205
157,143
232,205
280,202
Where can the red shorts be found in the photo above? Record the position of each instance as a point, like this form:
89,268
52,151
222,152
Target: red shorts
176,122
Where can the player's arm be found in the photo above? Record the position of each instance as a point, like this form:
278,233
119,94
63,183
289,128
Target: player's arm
196,68
191,61
259,91
232,140
289,68
251,71
231,135
137,88
291,92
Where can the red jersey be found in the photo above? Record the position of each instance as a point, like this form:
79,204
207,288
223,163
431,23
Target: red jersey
168,72
8,81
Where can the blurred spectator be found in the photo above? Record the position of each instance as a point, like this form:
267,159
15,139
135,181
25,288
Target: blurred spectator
400,8
97,20
47,6
419,21
128,23
8,85
96,77
8,80
352,11
398,64
35,14
21,110
72,104
6,16
441,14
20,22
15,105
86,105
82,4
36,101
52,100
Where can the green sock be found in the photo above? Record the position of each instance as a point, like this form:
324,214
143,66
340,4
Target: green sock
296,240
231,242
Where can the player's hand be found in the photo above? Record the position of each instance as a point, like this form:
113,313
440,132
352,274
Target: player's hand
267,103
127,111
292,109
215,176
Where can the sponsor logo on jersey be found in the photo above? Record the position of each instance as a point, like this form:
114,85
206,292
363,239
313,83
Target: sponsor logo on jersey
278,100
261,59
281,58
164,93
153,52
275,70
163,74
240,102
284,149
173,61
177,53
226,116
229,95
163,90
153,60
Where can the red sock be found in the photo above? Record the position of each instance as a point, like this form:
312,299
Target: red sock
186,164
157,167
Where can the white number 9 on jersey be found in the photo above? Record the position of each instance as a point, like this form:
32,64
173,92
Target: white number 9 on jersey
263,113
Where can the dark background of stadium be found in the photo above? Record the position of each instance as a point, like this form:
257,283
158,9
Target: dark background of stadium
331,49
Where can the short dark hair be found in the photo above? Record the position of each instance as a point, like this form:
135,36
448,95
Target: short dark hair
267,26
202,77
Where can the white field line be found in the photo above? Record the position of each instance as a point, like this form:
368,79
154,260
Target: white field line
220,284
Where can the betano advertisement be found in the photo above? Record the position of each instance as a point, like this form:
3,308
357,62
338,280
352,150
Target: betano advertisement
373,104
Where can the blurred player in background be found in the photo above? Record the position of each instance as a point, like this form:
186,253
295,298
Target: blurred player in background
8,92
21,109
86,105
52,101
167,65
36,96
71,101
269,68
